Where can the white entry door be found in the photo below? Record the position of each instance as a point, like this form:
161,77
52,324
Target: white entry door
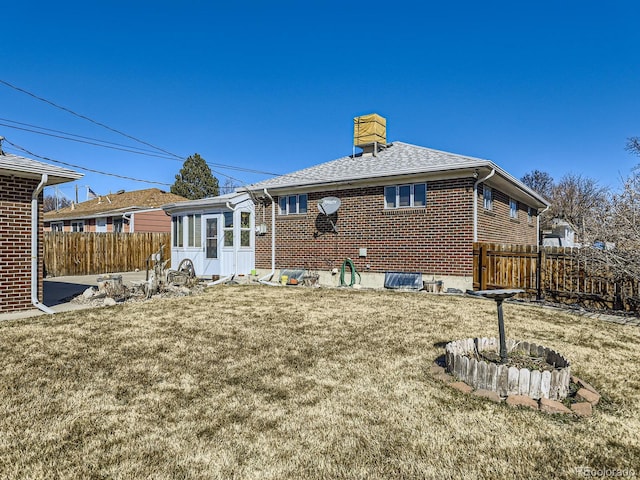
212,244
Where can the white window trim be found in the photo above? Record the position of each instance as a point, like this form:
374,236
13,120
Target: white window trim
286,211
79,224
245,229
487,200
193,221
513,213
411,196
177,231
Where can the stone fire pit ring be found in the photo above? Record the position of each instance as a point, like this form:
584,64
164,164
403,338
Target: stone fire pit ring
463,360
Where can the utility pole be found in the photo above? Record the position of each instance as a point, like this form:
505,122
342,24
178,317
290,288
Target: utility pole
76,193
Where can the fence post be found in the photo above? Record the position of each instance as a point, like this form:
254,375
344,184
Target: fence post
539,275
483,267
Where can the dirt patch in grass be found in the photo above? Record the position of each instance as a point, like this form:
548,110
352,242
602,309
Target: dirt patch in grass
259,382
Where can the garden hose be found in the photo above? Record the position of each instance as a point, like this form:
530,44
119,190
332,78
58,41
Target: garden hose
354,272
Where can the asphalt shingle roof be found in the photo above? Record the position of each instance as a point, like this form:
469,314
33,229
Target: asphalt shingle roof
118,202
397,158
26,167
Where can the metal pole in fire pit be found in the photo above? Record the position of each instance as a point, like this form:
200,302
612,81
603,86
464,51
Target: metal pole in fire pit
499,296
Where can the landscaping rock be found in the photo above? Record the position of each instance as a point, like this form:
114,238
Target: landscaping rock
522,401
551,406
582,409
462,387
583,384
109,302
88,293
588,396
493,396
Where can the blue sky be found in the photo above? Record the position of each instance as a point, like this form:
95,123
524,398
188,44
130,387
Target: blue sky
274,86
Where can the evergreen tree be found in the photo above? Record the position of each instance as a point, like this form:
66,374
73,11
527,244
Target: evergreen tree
195,179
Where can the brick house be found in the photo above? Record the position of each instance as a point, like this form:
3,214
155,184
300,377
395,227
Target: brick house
21,183
121,212
402,208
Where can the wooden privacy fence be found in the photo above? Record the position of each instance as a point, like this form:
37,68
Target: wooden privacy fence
90,253
553,273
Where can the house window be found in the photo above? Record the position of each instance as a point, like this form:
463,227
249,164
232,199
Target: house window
118,225
228,229
194,230
293,204
487,195
530,215
402,196
245,229
513,208
57,226
77,226
178,232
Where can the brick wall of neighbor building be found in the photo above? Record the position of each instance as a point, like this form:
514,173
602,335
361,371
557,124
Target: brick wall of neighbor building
15,243
433,240
498,227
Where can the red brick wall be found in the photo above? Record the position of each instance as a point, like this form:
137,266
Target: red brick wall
15,243
496,225
433,240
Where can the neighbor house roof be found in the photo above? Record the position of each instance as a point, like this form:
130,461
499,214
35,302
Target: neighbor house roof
115,204
397,159
28,168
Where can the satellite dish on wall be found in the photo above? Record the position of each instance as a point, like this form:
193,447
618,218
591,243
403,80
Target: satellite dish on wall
329,205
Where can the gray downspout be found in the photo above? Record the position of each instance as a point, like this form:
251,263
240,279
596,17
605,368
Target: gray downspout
475,203
273,242
34,246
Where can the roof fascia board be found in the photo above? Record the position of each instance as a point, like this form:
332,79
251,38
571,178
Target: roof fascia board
110,213
53,179
203,204
516,189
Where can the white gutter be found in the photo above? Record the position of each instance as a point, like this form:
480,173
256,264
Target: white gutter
538,225
273,243
34,246
475,203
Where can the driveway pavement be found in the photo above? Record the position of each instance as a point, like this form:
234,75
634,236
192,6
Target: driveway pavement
59,291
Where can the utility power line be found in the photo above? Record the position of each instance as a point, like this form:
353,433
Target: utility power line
48,159
102,144
64,135
84,117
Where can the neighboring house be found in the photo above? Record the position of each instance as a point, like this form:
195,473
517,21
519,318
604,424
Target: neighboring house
402,208
21,271
120,212
216,234
562,234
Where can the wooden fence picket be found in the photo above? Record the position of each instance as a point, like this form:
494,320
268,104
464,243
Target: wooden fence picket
555,273
90,253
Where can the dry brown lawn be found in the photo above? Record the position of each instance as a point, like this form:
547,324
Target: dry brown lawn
255,382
